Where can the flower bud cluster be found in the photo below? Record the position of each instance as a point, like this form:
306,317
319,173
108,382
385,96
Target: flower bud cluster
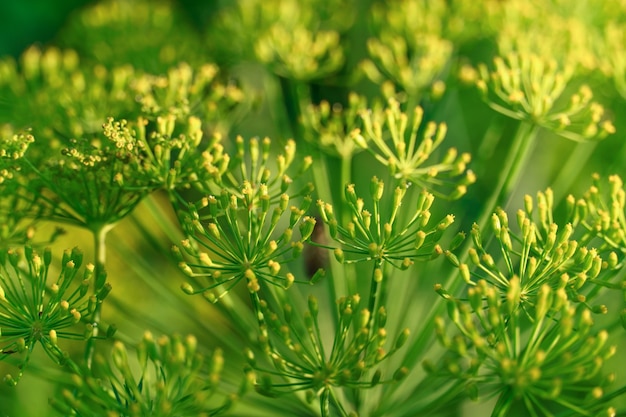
296,347
602,213
58,98
542,253
299,39
374,234
169,376
93,182
36,311
250,169
529,87
552,30
613,54
408,47
151,36
329,126
300,53
532,359
16,200
186,91
247,230
410,157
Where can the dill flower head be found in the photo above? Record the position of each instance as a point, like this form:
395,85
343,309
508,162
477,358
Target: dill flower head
246,230
185,91
329,126
542,253
374,233
16,200
93,182
529,87
151,36
169,377
398,140
525,322
548,361
300,53
49,91
614,62
551,30
408,47
37,311
295,38
601,214
294,344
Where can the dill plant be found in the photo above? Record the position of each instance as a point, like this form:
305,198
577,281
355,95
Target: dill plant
316,208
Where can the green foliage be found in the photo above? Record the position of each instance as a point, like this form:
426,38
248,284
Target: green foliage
398,128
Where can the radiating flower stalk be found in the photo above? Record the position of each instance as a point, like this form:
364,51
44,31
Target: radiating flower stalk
529,305
546,361
173,379
241,233
409,47
295,346
38,311
408,156
380,236
528,87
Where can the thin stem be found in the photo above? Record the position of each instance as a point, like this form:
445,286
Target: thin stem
374,291
570,169
99,234
346,178
514,163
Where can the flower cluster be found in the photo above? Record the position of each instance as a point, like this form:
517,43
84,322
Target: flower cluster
528,308
601,214
408,157
301,361
374,234
553,30
83,96
242,226
184,91
92,183
299,53
16,203
170,152
35,311
150,36
532,88
615,64
549,259
329,126
545,362
409,47
299,39
173,379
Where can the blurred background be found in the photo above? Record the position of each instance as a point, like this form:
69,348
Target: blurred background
32,21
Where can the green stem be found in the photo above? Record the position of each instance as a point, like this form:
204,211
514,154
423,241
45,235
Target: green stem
374,290
515,160
570,170
346,178
296,96
99,234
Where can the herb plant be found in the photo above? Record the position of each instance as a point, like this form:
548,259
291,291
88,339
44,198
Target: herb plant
316,208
